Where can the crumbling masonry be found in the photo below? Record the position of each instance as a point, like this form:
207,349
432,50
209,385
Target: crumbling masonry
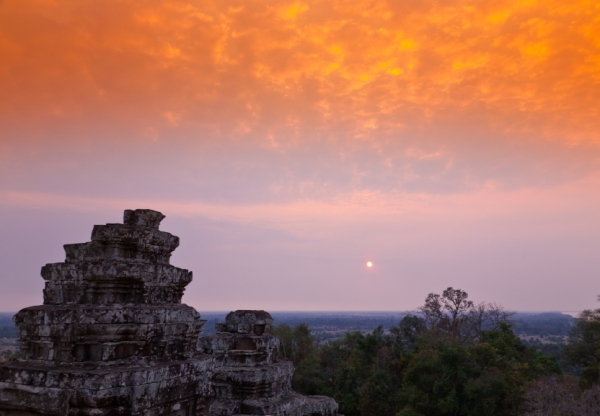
113,338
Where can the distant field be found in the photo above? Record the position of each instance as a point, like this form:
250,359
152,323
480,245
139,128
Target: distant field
8,346
7,326
325,326
8,337
546,327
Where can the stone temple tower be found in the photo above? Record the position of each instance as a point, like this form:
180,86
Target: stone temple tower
249,379
113,338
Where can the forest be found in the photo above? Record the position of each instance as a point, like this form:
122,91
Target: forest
455,358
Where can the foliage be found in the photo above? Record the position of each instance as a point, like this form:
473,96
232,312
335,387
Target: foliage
7,355
487,377
544,324
7,326
452,315
298,345
560,396
459,358
584,348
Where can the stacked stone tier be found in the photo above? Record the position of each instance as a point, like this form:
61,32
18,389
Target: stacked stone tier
174,387
107,334
121,241
242,383
241,350
123,264
246,322
292,404
106,282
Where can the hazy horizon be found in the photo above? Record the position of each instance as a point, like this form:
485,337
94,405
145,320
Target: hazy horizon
365,312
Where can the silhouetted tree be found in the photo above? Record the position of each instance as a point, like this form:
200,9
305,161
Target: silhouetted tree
298,345
452,314
583,349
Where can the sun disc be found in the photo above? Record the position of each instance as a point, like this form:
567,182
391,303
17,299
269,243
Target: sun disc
369,264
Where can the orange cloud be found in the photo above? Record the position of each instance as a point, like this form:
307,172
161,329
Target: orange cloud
233,68
295,99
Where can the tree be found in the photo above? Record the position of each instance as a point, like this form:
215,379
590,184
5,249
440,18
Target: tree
488,377
456,304
406,333
560,396
485,317
286,341
452,314
434,379
298,345
365,372
457,359
583,350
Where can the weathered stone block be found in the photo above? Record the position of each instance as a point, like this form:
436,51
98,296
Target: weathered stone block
143,218
247,322
101,333
253,382
131,390
290,405
235,349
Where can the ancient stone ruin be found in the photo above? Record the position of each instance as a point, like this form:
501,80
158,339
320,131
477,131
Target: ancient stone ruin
113,338
248,379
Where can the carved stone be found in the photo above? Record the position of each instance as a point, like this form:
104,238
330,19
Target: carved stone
250,380
113,338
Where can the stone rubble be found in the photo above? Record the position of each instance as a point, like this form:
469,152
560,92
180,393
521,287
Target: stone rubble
113,338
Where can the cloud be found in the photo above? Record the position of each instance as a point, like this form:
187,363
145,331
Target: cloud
254,69
308,218
530,249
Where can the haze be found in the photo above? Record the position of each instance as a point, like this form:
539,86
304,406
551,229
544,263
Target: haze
451,143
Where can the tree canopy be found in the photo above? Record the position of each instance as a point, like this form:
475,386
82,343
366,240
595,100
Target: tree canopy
454,358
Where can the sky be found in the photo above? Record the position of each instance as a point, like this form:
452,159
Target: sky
451,143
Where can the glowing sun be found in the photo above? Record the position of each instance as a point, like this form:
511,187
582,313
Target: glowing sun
369,264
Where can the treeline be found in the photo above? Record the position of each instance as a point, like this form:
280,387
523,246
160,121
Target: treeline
454,358
320,322
544,324
7,326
